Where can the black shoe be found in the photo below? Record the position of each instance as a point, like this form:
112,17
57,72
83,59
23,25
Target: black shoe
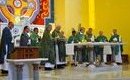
48,69
4,72
119,63
87,65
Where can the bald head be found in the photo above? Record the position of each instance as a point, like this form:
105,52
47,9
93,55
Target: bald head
90,29
100,33
11,25
114,31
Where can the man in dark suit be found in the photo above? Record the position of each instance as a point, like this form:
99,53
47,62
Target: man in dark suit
25,39
6,47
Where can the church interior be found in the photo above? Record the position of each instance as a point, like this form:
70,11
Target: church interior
64,40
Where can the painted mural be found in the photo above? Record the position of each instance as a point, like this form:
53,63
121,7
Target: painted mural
38,12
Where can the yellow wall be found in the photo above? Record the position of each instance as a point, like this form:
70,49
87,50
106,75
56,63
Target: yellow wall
114,14
84,13
70,13
108,14
59,12
72,18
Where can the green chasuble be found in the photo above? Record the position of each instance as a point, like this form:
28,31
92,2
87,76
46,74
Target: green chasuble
34,39
60,42
101,38
47,47
56,34
72,39
116,38
99,48
80,37
81,50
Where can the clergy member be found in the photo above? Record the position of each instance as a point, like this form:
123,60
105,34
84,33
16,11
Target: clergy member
25,39
47,47
59,44
72,38
81,50
6,47
116,50
90,49
89,35
99,49
35,38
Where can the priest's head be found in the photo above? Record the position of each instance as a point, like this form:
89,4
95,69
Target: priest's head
89,31
26,29
114,31
74,33
100,33
11,25
36,30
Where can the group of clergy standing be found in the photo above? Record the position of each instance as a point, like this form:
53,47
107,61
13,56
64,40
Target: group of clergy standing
91,53
48,45
51,43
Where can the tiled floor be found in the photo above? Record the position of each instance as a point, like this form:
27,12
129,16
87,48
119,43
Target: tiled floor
81,73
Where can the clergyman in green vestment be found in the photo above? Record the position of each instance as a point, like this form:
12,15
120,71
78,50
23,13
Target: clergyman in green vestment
81,50
35,38
116,49
59,44
90,49
99,49
47,45
72,38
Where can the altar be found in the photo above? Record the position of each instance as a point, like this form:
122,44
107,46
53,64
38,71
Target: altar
24,69
23,63
70,49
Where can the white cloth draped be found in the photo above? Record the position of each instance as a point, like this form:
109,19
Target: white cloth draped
107,50
69,49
